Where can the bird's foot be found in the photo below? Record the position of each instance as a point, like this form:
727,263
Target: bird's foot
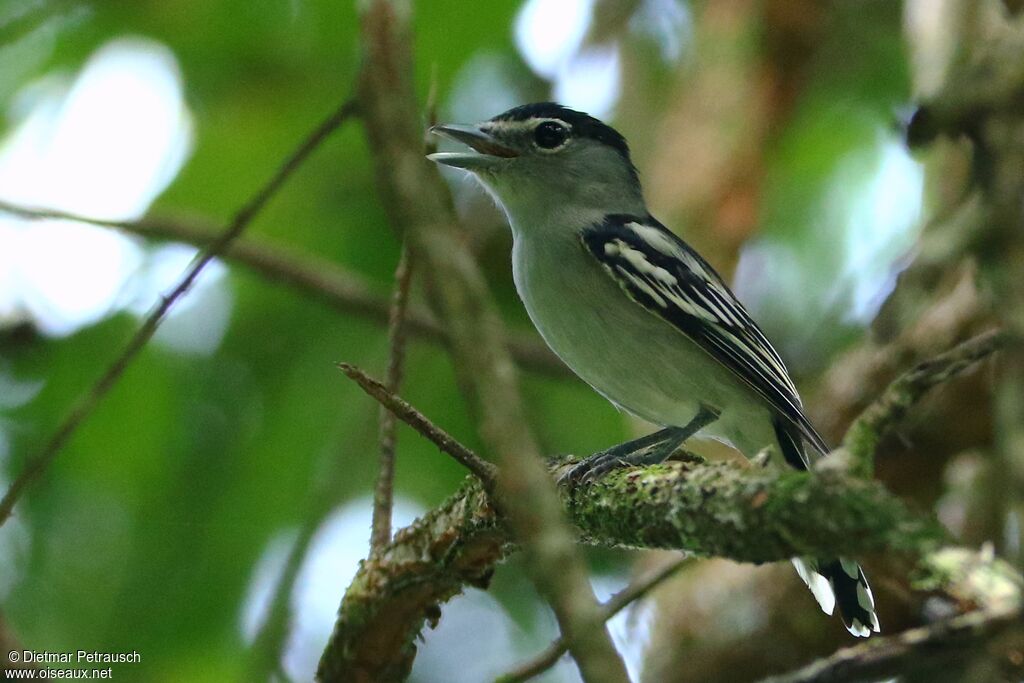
601,463
647,450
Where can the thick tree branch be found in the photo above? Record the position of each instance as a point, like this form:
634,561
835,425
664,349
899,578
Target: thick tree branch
724,510
660,506
84,407
728,510
308,273
747,514
398,591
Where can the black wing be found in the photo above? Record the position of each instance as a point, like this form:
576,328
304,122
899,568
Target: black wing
663,274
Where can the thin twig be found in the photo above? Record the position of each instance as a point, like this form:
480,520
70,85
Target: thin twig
88,403
383,493
266,653
933,648
309,273
618,602
483,470
884,413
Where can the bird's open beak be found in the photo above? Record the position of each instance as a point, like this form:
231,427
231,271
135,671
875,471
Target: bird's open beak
487,150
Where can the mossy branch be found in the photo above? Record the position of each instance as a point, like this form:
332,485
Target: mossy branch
724,509
862,438
734,510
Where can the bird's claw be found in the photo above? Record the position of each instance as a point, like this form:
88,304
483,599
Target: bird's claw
592,468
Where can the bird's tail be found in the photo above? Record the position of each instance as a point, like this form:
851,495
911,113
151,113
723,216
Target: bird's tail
841,582
834,582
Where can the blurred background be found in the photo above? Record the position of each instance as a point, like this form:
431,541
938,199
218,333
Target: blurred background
213,510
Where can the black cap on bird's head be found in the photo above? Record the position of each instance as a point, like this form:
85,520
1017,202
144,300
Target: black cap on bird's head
542,130
540,158
581,124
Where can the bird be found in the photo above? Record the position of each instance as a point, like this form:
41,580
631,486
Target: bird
637,313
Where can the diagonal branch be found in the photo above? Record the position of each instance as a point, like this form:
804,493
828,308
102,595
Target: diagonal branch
483,470
886,411
306,272
88,403
929,650
618,602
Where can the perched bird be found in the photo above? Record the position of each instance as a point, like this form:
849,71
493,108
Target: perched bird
636,312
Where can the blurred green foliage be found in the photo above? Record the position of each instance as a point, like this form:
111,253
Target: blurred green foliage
144,534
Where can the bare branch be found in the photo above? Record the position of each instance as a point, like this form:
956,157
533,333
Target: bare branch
383,493
483,470
618,602
306,272
930,649
886,411
87,403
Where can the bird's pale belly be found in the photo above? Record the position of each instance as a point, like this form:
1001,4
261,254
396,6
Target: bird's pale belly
632,357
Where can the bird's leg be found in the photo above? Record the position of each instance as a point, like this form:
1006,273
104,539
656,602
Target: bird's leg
647,450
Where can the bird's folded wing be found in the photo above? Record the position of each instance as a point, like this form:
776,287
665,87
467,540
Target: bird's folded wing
663,274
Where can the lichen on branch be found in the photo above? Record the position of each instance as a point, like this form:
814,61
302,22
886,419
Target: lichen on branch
747,514
722,509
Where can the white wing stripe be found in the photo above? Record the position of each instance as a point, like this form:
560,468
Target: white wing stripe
674,282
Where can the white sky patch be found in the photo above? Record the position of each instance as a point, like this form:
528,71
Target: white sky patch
667,22
881,228
341,542
591,81
549,35
483,88
197,322
867,222
630,629
265,576
17,392
104,145
475,632
549,32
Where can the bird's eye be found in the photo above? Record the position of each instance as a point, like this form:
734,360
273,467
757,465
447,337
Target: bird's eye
550,135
